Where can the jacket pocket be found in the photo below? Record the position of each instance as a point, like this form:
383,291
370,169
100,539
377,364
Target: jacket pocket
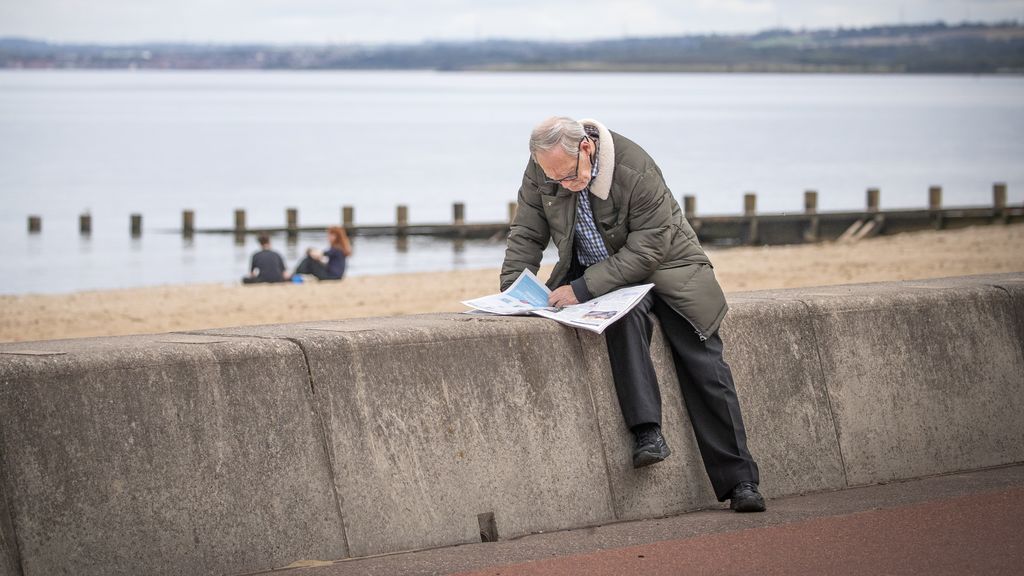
614,235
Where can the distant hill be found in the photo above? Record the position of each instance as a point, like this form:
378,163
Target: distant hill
930,48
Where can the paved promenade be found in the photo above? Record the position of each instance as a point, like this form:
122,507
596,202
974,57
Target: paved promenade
956,524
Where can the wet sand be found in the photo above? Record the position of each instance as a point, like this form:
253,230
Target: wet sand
909,256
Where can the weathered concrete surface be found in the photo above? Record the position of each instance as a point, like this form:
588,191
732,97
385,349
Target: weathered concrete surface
435,419
675,485
10,564
923,378
771,348
1012,284
164,455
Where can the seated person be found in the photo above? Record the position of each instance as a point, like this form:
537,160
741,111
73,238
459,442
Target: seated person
267,265
329,264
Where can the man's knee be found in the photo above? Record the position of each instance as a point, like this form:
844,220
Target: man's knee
636,321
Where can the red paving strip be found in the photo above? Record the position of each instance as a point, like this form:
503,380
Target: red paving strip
979,534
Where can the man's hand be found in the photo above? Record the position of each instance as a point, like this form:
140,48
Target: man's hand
562,296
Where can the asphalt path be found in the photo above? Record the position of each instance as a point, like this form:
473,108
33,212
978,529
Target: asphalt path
957,524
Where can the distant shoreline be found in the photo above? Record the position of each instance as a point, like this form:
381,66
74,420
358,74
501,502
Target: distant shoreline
583,70
967,48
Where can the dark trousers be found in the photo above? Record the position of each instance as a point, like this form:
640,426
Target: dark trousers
705,380
315,267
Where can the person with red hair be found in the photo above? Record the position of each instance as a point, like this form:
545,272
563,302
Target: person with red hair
329,264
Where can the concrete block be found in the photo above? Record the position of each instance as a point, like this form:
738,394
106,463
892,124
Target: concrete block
924,378
1012,284
674,485
773,353
167,454
1014,288
436,419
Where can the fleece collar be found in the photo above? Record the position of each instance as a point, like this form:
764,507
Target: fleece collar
602,184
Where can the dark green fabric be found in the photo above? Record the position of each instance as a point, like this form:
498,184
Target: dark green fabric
643,227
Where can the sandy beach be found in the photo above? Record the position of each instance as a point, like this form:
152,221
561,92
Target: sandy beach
930,254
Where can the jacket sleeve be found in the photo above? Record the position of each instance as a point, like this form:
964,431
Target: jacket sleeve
649,237
529,233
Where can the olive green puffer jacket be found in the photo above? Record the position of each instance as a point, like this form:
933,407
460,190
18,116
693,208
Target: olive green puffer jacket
648,239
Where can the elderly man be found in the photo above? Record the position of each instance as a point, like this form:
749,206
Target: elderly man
604,203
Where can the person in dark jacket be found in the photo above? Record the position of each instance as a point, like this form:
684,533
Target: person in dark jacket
266,265
603,202
331,263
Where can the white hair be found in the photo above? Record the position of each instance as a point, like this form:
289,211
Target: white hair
557,131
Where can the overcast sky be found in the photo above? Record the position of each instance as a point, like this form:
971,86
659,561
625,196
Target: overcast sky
378,21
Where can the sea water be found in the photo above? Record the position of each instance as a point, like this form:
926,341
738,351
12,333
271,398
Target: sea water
156,143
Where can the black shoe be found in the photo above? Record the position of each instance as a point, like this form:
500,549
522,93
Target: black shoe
649,446
746,498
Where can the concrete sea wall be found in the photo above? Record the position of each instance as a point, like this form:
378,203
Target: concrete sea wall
237,450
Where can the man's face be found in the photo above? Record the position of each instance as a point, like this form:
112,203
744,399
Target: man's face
557,165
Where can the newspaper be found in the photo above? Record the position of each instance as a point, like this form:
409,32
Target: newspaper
528,295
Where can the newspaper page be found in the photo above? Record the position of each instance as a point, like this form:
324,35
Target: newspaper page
601,312
528,295
525,295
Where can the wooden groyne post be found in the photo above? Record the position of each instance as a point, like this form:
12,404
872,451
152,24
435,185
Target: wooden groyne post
292,220
136,225
239,226
85,224
401,219
239,221
812,233
935,206
459,219
35,224
750,211
347,216
999,202
874,197
188,223
690,211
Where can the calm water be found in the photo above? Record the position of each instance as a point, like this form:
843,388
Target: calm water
114,143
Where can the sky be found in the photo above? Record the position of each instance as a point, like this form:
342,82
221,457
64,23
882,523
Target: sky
410,21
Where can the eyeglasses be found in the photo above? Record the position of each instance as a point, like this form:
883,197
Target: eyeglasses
575,173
